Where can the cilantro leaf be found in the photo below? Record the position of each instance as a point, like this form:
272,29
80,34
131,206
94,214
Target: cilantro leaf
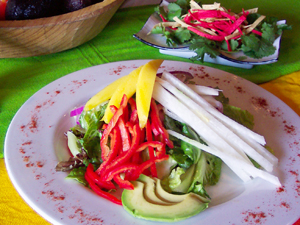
174,10
201,46
182,35
234,44
268,32
256,48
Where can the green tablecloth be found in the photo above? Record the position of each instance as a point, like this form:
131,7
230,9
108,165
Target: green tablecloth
22,77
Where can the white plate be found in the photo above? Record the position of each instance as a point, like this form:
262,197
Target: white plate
35,143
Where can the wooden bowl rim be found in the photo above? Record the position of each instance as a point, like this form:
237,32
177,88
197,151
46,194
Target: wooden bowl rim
81,14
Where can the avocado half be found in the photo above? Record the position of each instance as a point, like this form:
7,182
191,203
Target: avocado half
141,204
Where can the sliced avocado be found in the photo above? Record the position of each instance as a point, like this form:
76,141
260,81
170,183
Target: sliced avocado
135,203
149,191
166,196
186,180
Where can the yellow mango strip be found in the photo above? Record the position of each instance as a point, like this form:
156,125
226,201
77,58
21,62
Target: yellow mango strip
128,87
144,89
103,95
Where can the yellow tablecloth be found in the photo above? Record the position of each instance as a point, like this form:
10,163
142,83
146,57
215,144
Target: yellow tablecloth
15,211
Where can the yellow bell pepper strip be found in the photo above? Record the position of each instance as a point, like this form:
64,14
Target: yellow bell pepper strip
127,87
104,95
144,89
101,192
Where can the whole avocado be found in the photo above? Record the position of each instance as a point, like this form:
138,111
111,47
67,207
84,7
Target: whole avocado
73,5
31,9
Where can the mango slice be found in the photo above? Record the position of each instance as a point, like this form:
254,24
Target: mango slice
103,95
128,87
144,89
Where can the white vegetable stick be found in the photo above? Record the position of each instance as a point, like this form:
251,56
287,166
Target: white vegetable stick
171,103
225,157
236,127
172,115
204,90
262,151
211,100
231,138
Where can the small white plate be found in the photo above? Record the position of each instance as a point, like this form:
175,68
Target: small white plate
235,59
35,143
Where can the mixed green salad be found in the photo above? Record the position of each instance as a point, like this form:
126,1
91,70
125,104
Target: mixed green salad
189,132
211,28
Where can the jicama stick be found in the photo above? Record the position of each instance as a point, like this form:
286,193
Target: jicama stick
231,138
208,135
226,157
204,90
172,115
215,103
236,127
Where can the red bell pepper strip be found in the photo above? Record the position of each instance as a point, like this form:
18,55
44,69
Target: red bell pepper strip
123,183
120,169
103,142
154,128
3,4
125,157
125,136
132,104
115,143
96,179
136,158
154,114
129,126
125,115
104,126
147,164
134,117
143,135
150,148
100,192
113,109
154,144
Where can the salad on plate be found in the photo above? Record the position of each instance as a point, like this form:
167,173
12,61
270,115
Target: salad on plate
213,30
160,140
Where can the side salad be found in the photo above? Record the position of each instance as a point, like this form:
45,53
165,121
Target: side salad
211,28
162,142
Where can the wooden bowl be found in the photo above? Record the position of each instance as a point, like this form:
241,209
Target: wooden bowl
24,38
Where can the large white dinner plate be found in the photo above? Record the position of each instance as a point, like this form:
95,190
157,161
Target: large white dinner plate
35,143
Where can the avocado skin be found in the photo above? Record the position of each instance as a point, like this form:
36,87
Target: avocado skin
73,5
31,9
34,9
